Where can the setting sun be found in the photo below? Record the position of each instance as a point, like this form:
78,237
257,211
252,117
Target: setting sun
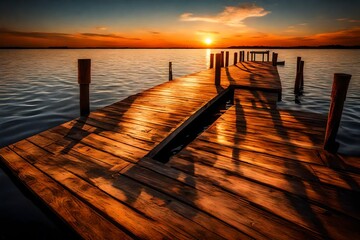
208,41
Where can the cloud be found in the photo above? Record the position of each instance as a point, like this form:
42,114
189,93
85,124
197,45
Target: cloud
107,36
295,28
232,15
46,35
101,28
207,32
154,32
348,20
347,36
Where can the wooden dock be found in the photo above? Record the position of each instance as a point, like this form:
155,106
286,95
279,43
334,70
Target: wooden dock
256,172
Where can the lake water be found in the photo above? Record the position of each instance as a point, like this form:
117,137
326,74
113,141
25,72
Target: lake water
39,90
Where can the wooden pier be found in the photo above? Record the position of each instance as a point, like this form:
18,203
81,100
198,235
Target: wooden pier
256,172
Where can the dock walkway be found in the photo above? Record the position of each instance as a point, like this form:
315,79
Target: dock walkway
256,172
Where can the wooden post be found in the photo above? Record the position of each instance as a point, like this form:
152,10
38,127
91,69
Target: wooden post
302,76
263,57
170,71
298,60
299,76
243,56
274,60
267,56
218,68
240,56
222,59
226,58
84,79
211,60
235,58
338,96
247,56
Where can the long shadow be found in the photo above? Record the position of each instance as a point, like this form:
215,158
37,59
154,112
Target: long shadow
303,207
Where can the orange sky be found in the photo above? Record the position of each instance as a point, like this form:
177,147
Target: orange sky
226,23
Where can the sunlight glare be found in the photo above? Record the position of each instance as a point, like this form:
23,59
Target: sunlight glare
208,41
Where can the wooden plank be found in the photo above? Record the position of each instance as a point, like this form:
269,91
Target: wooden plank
240,214
113,184
83,219
309,189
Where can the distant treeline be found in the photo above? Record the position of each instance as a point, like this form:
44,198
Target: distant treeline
233,47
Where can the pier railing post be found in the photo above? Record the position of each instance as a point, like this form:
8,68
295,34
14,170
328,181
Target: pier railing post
338,96
84,79
235,58
226,59
274,59
218,68
170,71
222,58
211,60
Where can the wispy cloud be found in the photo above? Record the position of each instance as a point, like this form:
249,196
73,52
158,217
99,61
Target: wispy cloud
295,28
155,32
207,32
101,28
107,36
231,15
33,34
348,20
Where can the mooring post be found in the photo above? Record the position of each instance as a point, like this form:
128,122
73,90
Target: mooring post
338,96
170,71
211,60
302,75
274,60
299,76
226,59
222,58
235,58
84,79
298,60
218,68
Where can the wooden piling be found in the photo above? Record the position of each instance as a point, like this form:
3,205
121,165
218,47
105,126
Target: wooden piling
274,59
338,95
298,60
243,56
235,58
84,80
222,58
299,77
211,60
247,56
240,56
226,59
302,76
170,71
218,60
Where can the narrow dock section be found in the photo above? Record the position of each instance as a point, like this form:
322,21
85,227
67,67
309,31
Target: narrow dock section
256,172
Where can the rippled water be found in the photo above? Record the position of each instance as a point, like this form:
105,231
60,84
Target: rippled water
39,90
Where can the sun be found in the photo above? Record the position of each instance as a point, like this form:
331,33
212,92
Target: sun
208,41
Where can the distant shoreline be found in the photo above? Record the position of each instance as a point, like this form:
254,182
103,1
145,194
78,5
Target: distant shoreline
231,47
